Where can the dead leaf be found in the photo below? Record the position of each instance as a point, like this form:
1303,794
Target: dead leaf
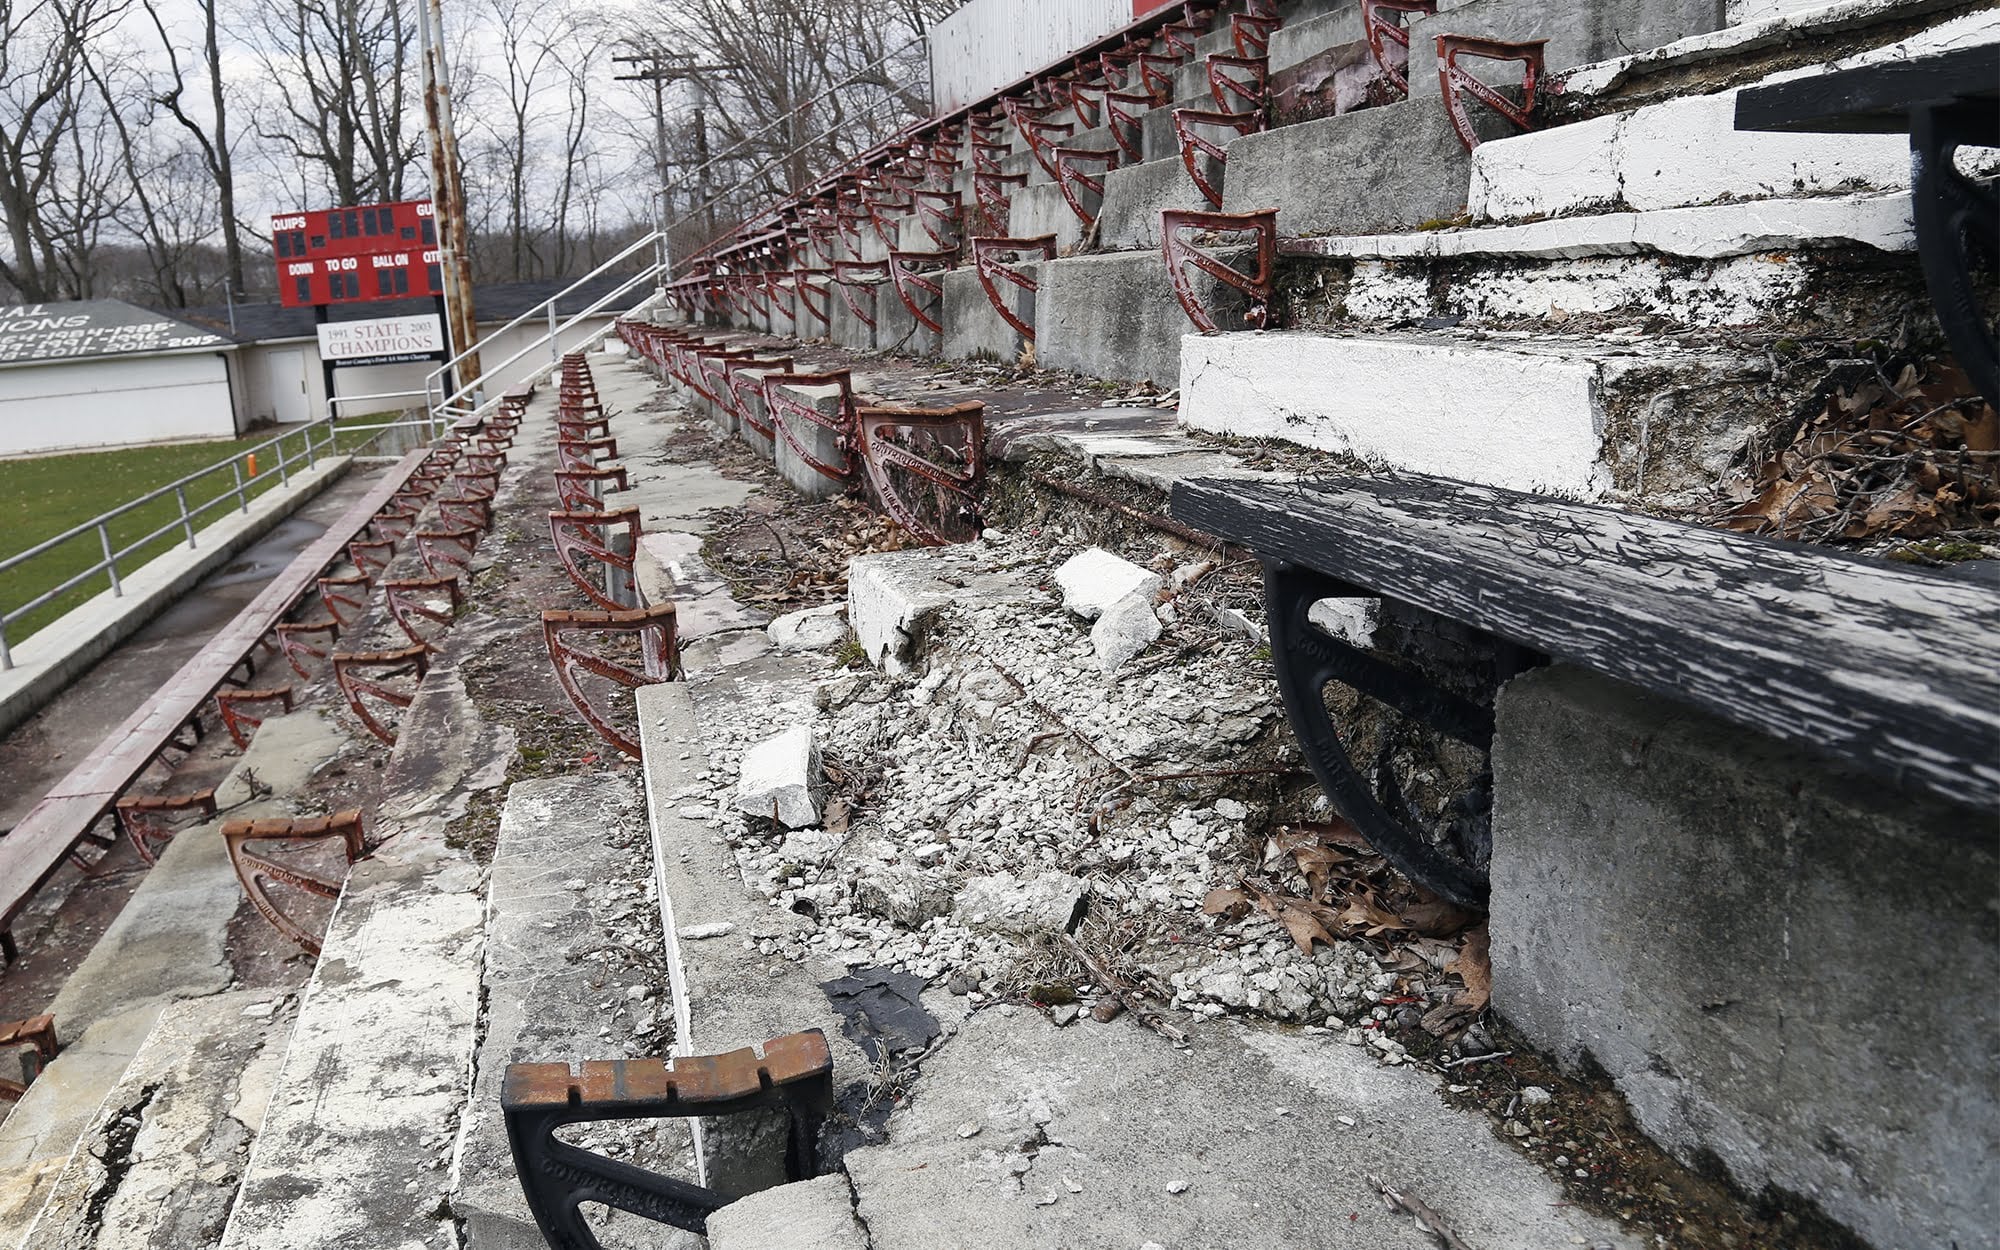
1230,904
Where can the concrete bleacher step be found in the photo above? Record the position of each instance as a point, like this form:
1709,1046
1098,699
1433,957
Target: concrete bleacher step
159,1165
166,946
572,971
1564,415
361,1118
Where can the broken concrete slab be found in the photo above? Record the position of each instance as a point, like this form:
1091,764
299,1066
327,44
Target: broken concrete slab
894,596
1025,1135
1093,580
40,1133
811,629
1042,906
776,782
806,1215
158,1168
1125,629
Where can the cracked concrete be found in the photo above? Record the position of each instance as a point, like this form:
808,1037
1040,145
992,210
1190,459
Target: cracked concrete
1024,1135
565,845
185,1113
364,1114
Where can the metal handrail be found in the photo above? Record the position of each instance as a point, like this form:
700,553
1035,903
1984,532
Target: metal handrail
318,438
433,381
445,409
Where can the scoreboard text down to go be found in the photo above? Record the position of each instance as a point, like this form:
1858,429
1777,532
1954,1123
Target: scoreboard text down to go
357,255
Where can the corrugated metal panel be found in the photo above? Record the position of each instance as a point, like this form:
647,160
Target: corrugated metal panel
990,43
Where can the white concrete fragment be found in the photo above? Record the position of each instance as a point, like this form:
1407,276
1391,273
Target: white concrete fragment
892,595
1093,580
806,1215
1488,414
775,782
813,629
1126,627
1681,152
1353,621
1022,906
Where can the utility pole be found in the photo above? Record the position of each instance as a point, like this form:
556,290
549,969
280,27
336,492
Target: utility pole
661,68
448,194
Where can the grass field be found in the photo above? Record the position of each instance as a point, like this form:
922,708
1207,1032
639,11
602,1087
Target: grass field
42,496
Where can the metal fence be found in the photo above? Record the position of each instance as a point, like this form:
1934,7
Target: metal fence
293,451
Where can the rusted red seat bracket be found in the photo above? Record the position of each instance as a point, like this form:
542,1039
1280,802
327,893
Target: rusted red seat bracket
1459,82
258,872
1176,227
659,659
990,261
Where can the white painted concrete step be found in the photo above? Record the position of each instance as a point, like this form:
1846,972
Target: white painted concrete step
1583,418
166,945
1688,151
159,1166
362,1120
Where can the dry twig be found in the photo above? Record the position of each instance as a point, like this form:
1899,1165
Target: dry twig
1427,1219
1125,994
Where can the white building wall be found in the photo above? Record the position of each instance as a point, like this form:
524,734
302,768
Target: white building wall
114,402
387,379
990,43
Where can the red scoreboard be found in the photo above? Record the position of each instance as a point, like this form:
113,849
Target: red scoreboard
355,255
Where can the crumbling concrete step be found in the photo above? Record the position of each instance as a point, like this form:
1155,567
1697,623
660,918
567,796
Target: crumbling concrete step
1026,1135
1682,152
1554,415
159,1166
1699,268
729,991
362,1119
572,972
166,944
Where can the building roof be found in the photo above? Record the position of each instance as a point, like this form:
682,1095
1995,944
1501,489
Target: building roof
496,303
91,329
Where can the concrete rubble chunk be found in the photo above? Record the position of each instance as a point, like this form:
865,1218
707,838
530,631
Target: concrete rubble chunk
807,1215
776,779
1093,581
1127,627
1023,906
814,629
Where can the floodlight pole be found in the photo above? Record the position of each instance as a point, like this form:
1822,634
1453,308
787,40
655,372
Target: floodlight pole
447,194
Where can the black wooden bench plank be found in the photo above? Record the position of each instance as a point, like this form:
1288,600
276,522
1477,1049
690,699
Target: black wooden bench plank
1887,667
1871,99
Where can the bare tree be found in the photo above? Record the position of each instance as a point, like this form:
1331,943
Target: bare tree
808,83
59,183
210,134
336,79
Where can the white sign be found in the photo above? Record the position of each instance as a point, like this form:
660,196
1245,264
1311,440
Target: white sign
385,340
87,328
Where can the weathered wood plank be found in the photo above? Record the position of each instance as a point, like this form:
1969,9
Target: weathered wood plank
1871,99
1886,667
36,847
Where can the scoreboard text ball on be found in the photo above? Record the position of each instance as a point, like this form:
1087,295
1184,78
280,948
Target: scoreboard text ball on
354,255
